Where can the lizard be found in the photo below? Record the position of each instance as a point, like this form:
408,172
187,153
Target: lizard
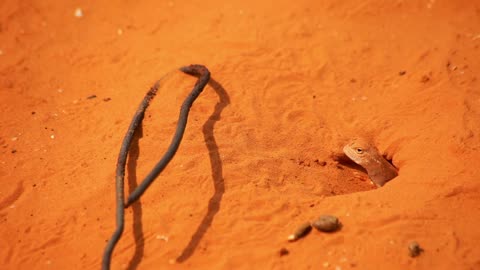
367,155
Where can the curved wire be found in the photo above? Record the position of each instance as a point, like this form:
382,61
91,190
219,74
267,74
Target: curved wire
204,76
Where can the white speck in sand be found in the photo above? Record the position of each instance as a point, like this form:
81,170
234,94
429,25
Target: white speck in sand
162,237
78,13
14,138
119,31
60,90
12,206
52,136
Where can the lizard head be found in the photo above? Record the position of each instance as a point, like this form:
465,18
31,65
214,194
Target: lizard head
360,151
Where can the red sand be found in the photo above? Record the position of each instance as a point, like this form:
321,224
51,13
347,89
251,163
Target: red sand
295,81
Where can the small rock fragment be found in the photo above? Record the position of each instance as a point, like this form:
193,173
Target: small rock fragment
107,99
326,223
414,249
14,151
302,231
92,97
78,13
425,79
283,252
403,72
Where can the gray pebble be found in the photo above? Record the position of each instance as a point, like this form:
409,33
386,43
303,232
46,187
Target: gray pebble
326,223
414,249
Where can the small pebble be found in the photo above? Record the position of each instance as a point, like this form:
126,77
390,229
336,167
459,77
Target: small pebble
302,231
326,223
162,237
78,13
107,99
401,73
414,249
425,79
92,97
283,252
14,151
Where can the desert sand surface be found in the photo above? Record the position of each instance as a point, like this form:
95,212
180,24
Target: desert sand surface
292,83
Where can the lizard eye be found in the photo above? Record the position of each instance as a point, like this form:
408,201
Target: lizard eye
359,150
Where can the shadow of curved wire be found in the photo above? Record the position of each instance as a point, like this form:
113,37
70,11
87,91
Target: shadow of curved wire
217,171
137,206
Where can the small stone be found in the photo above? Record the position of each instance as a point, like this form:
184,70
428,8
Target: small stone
107,99
92,97
425,79
162,237
78,13
326,223
403,72
14,151
283,252
414,249
302,231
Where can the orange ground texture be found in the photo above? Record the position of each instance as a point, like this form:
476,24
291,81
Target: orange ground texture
292,82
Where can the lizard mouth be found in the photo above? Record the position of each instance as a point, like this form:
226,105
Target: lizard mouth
346,161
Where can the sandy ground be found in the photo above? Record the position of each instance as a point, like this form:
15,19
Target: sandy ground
292,83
